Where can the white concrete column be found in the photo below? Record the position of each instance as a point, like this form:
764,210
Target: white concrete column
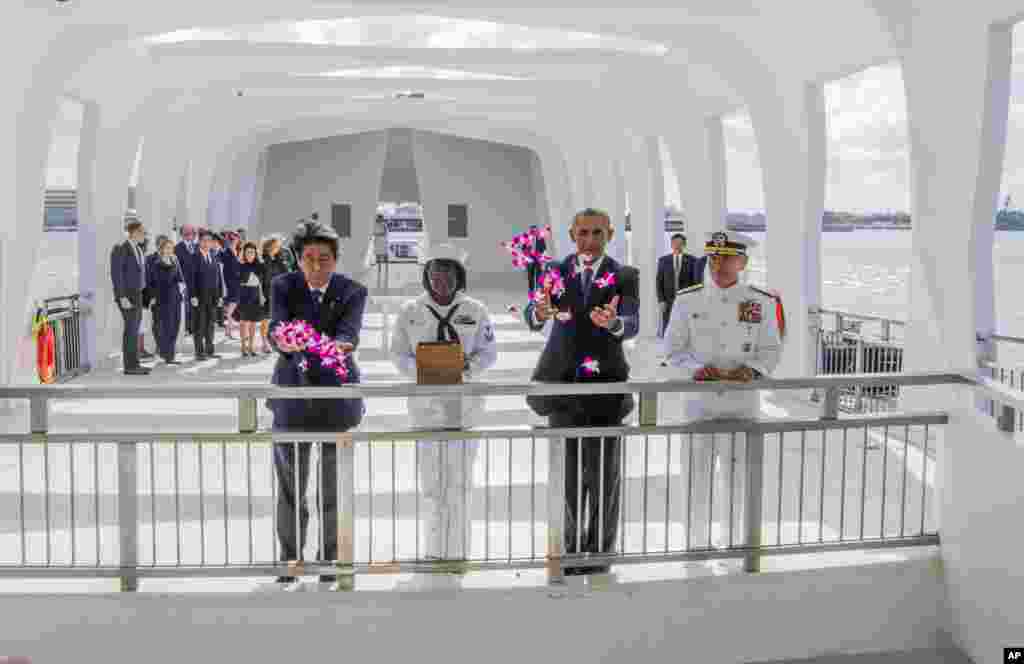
789,121
89,273
105,159
646,200
558,192
608,194
718,179
32,81
698,155
956,73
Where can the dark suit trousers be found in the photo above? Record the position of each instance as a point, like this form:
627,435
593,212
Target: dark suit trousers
666,316
132,326
586,493
288,491
203,320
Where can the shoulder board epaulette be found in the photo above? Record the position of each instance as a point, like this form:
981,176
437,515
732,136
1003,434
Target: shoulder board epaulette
764,292
690,289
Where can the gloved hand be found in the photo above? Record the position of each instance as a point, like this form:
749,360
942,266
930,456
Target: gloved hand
195,301
126,303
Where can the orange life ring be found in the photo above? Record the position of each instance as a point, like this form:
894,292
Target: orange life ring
46,366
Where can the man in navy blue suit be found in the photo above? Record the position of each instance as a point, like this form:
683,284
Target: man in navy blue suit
676,271
205,284
597,312
334,305
186,251
128,274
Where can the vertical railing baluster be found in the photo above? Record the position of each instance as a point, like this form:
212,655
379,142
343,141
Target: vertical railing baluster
885,459
556,509
800,499
346,516
127,515
754,493
842,493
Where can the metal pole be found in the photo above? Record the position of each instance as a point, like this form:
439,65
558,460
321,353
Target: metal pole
752,504
556,509
39,414
248,415
648,409
127,515
830,408
346,516
1007,418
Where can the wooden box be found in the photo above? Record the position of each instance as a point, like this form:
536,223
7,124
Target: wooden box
439,363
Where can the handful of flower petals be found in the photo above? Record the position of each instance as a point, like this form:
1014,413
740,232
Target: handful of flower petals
301,334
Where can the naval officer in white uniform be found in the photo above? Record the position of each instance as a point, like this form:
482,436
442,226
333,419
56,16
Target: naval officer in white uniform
722,330
445,313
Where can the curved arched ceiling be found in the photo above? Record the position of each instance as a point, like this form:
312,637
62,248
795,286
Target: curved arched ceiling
514,64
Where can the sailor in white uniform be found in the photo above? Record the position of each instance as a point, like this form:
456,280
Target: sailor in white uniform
722,330
445,313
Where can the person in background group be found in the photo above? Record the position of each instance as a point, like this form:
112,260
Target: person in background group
128,274
599,310
186,251
147,317
534,270
333,304
229,259
166,284
676,271
205,285
148,295
251,296
274,266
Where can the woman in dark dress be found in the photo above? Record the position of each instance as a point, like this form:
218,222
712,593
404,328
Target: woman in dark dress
166,284
251,296
229,258
274,265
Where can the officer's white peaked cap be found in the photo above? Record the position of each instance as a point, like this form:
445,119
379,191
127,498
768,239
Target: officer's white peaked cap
728,243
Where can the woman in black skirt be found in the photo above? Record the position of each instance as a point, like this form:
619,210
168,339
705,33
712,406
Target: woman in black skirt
251,296
166,284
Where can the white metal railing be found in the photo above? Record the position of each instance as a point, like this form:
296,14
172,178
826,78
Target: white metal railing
133,505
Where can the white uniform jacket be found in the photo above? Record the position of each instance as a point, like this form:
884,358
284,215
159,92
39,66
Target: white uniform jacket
473,324
725,328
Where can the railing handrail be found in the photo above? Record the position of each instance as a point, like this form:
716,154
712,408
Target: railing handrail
761,425
1002,337
370,390
853,316
1002,394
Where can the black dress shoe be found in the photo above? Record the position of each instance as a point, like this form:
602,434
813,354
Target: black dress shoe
213,356
285,579
171,361
328,578
137,371
146,355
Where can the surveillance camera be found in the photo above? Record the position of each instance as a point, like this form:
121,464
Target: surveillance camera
239,93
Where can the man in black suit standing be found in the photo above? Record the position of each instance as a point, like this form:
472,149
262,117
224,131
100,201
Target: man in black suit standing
205,288
128,274
186,251
533,270
676,271
598,311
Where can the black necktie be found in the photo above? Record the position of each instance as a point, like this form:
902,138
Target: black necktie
444,324
588,277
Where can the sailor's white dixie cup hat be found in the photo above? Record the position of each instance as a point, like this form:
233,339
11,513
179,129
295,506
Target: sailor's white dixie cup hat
728,243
